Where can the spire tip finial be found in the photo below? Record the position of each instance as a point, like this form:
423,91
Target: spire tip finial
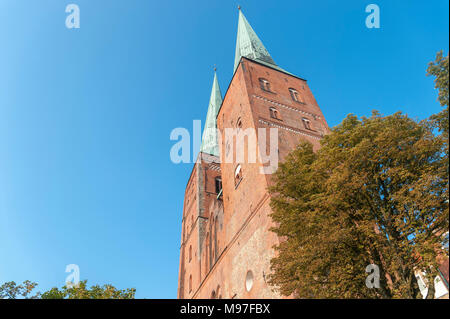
239,7
215,68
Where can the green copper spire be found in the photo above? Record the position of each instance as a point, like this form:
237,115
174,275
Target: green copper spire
209,141
250,46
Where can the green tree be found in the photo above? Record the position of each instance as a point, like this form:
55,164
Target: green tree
10,290
374,193
94,292
439,69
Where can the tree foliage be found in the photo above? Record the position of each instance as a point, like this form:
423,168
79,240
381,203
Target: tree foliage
375,193
439,69
11,290
94,292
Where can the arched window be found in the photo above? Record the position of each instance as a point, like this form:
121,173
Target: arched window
190,253
239,123
190,283
274,113
249,280
307,123
213,295
295,95
264,84
237,175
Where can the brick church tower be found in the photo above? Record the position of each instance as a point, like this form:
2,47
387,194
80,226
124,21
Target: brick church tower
226,244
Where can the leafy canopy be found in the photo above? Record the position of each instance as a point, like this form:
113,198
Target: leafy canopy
11,290
375,193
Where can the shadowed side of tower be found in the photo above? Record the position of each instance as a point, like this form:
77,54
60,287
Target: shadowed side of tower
203,208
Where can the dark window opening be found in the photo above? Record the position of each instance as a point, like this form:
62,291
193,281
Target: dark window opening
274,113
190,253
307,124
237,175
239,123
264,84
218,185
295,95
190,283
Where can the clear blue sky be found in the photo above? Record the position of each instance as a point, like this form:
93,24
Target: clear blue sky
85,115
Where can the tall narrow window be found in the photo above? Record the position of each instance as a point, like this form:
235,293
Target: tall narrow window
239,124
216,244
264,84
219,296
249,280
307,124
295,95
237,175
190,283
218,185
190,253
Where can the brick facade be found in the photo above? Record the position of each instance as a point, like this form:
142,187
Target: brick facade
226,242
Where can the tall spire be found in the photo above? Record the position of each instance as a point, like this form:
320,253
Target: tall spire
209,141
250,46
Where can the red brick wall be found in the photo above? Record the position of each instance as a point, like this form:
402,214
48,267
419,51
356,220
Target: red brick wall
200,199
245,240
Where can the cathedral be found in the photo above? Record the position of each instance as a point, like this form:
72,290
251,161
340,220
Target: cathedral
226,242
